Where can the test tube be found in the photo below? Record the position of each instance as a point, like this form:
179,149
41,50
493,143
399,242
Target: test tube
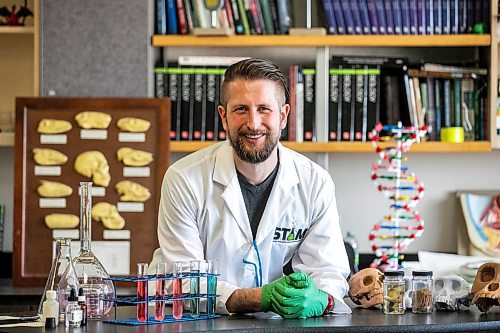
195,288
212,271
161,272
142,294
177,306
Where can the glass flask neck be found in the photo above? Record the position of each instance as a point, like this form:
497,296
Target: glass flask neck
85,215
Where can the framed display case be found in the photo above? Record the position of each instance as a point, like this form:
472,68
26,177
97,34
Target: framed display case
122,145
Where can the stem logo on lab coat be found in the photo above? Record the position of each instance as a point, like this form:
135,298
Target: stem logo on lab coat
289,235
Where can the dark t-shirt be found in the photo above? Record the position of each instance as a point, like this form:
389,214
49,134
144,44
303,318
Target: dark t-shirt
255,197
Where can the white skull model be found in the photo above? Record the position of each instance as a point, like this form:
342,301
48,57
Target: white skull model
366,287
486,287
449,292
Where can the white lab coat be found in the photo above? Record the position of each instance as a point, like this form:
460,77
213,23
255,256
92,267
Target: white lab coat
202,215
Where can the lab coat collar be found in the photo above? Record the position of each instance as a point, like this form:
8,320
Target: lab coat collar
280,198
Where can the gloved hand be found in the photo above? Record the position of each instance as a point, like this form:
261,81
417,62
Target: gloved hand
299,298
266,292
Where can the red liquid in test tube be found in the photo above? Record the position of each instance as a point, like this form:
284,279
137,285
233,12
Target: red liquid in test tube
142,308
161,272
177,306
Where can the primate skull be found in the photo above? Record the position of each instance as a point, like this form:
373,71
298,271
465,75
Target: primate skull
486,287
450,292
366,287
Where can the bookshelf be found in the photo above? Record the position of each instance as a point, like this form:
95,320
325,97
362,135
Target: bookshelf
19,65
322,44
494,75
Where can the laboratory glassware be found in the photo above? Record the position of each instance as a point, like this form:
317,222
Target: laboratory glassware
161,272
212,271
177,306
92,276
68,280
195,288
142,292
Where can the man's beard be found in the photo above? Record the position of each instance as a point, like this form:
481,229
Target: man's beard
254,156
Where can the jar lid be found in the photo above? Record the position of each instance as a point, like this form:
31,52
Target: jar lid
422,273
394,273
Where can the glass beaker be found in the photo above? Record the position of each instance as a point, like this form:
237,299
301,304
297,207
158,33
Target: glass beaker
89,270
62,275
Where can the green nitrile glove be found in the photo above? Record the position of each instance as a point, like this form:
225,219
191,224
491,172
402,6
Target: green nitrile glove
306,302
266,292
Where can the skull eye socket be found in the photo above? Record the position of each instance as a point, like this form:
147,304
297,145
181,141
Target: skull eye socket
439,284
487,274
456,285
367,280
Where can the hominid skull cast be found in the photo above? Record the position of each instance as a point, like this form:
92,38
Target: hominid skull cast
486,287
366,287
451,293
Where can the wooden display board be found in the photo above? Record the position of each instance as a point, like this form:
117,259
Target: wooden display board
33,239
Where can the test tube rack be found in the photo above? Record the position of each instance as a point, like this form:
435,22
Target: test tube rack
150,320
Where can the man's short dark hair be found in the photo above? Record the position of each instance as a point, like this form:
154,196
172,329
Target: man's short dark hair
255,69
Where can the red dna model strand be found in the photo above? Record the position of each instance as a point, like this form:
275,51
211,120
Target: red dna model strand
403,224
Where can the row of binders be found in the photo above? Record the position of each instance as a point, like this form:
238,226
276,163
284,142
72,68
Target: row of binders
361,92
365,90
270,17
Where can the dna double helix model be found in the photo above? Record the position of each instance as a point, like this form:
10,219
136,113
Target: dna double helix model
403,224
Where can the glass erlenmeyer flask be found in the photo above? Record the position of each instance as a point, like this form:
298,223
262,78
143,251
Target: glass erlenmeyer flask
60,261
89,270
67,280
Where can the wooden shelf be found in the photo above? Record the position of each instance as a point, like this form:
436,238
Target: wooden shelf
465,40
17,30
350,147
6,139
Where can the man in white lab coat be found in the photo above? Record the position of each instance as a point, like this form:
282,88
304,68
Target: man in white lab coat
255,205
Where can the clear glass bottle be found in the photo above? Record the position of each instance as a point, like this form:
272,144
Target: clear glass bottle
73,316
68,280
89,270
394,290
421,286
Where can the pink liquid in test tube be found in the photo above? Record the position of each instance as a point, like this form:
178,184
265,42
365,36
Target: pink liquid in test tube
142,310
177,306
161,272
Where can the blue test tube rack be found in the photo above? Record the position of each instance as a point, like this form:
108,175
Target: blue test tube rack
150,320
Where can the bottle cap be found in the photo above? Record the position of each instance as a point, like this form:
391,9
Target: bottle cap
394,273
422,273
81,295
50,322
72,295
51,294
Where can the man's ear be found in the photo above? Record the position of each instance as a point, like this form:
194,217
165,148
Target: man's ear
285,110
223,116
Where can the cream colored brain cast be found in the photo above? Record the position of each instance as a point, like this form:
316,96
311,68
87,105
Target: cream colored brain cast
61,221
130,124
93,119
131,191
48,189
93,164
47,156
108,215
134,157
53,126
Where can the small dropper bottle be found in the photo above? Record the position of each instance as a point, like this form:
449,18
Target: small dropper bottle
73,317
83,306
